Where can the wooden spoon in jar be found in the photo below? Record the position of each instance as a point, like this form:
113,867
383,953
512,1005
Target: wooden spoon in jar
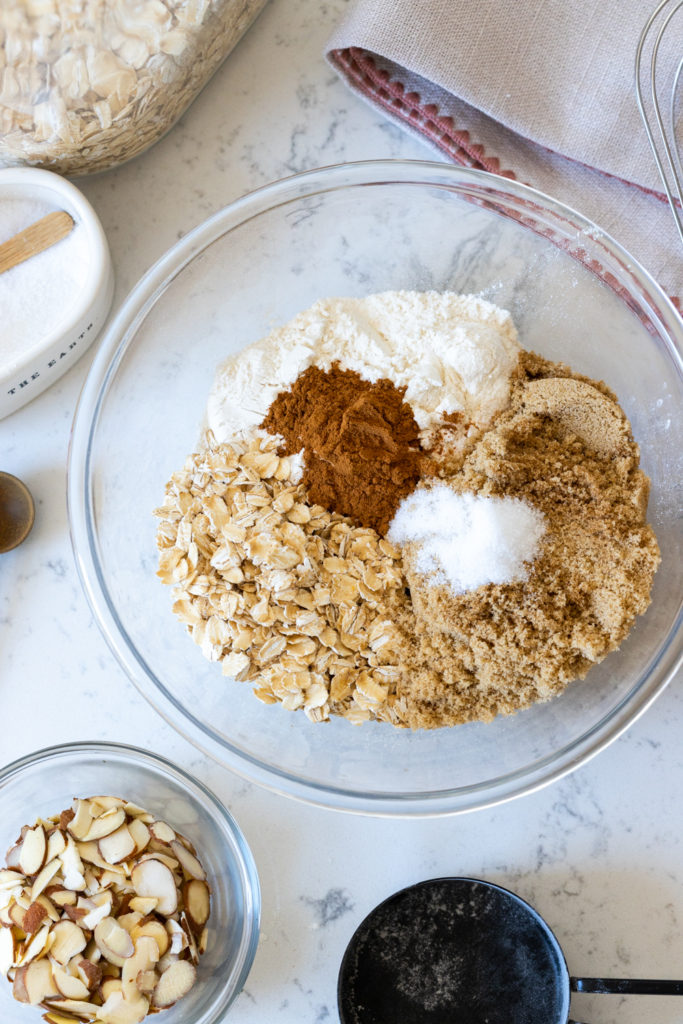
33,239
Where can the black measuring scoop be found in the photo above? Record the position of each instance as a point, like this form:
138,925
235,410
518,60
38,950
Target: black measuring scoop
461,949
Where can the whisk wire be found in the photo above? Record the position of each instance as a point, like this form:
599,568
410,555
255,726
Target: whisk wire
672,178
672,117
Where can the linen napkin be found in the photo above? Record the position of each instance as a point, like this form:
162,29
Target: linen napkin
537,90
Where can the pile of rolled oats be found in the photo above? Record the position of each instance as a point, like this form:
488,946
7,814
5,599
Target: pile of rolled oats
284,594
87,84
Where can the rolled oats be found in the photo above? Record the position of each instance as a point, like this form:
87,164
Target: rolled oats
285,595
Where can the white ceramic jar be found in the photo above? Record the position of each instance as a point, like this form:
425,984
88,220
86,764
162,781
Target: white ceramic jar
56,330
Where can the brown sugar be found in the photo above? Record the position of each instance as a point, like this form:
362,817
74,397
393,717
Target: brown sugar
565,447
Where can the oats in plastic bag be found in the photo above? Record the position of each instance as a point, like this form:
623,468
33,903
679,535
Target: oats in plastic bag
88,84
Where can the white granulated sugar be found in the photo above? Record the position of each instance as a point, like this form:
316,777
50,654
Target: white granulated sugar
452,353
36,295
468,540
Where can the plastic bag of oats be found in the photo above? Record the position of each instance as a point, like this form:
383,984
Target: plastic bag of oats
88,84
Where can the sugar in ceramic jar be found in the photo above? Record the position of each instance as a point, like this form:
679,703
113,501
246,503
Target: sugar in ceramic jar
55,302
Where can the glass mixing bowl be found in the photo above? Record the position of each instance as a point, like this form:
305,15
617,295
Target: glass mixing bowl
46,782
352,230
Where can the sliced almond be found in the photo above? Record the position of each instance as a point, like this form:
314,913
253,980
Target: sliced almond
80,824
174,983
165,962
99,804
33,918
65,817
197,900
188,861
140,834
187,844
130,920
177,936
108,986
67,941
38,982
44,877
156,931
203,942
62,897
144,904
12,857
90,974
80,1008
107,823
152,878
17,913
52,1017
92,953
117,846
146,955
5,919
162,832
56,843
7,898
37,945
18,986
138,812
89,852
72,867
189,936
7,950
146,982
114,876
50,909
158,854
96,909
75,914
113,941
118,1010
69,986
92,881
33,849
11,879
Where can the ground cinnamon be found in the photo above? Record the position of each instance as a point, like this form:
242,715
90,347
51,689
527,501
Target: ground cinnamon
360,441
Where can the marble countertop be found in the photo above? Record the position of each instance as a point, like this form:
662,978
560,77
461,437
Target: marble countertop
599,853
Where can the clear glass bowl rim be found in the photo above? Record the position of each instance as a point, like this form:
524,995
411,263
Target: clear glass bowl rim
113,344
198,791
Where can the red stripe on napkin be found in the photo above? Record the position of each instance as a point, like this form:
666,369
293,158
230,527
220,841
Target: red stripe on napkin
379,87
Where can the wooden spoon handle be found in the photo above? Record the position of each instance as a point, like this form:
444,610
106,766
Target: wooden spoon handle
33,239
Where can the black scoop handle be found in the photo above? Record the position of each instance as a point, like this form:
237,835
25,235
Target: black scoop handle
628,986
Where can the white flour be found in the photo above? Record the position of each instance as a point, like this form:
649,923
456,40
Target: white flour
467,540
452,353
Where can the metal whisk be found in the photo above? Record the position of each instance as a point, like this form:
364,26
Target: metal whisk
662,135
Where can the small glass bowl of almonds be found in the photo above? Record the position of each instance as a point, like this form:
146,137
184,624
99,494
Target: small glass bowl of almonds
126,889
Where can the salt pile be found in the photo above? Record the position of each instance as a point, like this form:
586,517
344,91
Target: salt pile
466,540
